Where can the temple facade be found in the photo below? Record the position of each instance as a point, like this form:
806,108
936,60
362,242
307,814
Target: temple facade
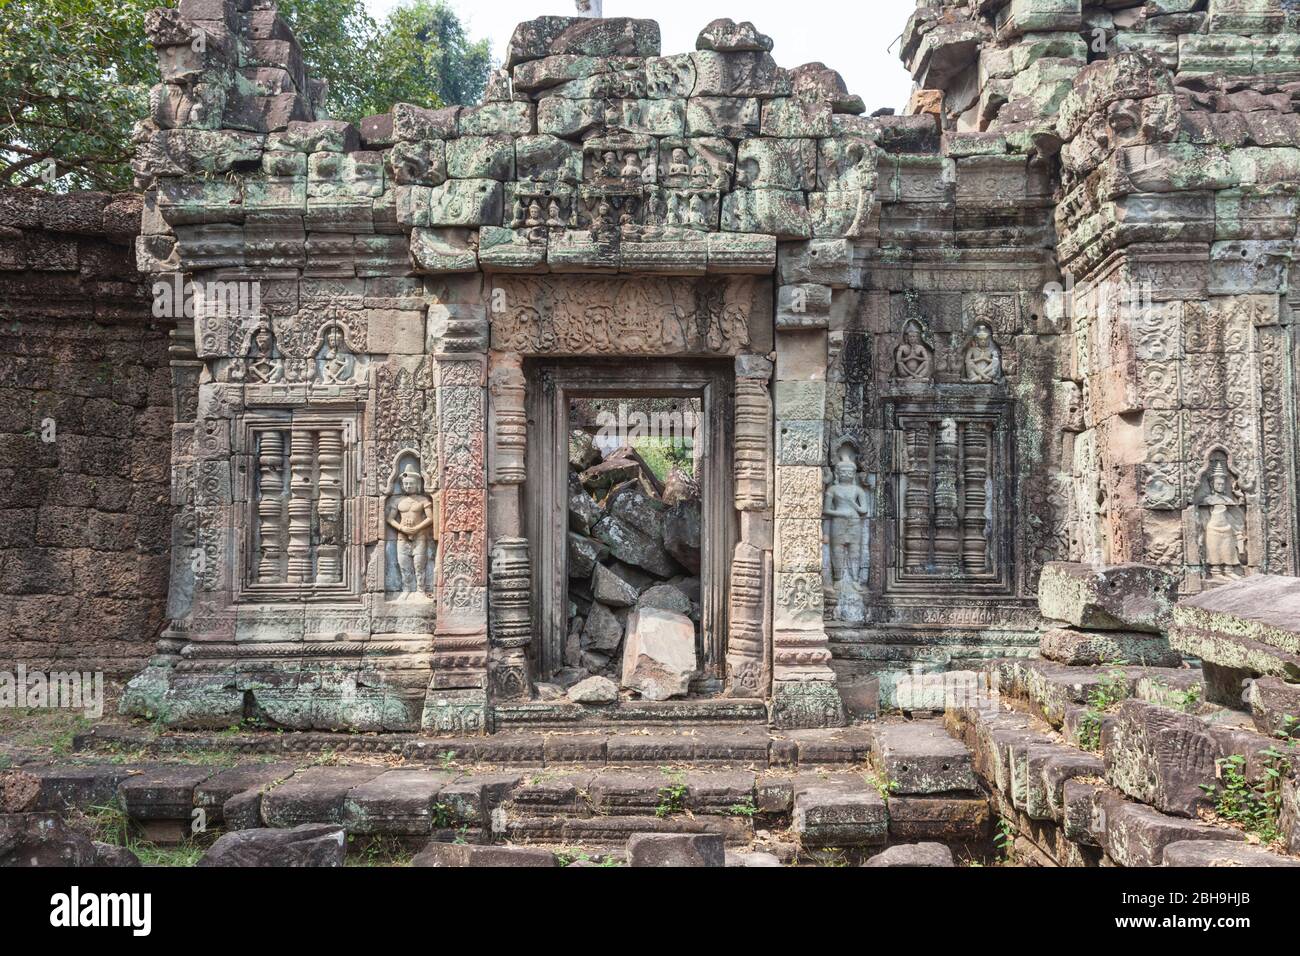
1044,316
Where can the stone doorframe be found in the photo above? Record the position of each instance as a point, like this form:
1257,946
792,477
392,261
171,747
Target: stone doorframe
552,383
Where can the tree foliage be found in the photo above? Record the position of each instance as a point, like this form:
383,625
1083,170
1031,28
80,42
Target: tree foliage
75,76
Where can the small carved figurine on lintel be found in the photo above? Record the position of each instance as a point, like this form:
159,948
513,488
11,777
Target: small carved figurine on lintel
335,363
913,359
1220,517
982,359
680,165
846,507
262,363
410,513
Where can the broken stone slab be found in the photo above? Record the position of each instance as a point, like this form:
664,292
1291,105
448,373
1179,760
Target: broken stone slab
681,534
602,632
676,849
835,816
583,453
64,787
918,757
312,844
608,587
243,811
1136,835
914,854
314,795
468,854
608,473
212,794
659,653
594,690
399,801
1215,853
1124,597
43,839
1066,645
634,547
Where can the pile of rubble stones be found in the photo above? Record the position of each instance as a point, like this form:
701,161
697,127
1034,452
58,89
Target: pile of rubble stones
634,576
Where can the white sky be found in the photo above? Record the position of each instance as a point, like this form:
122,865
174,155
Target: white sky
853,38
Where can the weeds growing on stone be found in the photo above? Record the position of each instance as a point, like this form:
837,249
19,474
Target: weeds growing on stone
1256,806
1112,689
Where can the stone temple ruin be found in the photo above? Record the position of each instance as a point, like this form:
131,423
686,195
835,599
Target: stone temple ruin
984,389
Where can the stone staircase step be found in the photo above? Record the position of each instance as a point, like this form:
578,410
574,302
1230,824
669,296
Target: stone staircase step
839,813
919,757
1215,853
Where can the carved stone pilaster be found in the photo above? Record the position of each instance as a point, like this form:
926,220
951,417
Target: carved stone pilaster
461,635
510,619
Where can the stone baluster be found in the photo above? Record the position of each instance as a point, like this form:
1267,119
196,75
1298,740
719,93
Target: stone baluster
301,488
270,506
975,473
329,508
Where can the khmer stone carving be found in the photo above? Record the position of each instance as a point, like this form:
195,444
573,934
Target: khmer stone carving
335,362
846,508
410,516
982,359
1219,518
913,358
262,363
510,620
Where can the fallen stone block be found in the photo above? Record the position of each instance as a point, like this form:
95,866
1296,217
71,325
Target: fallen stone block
311,844
918,757
914,854
1136,835
1216,853
594,690
43,839
737,858
676,849
1094,648
1122,597
80,787
659,653
468,854
161,801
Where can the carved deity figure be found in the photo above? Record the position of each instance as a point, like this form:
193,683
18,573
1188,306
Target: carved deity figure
553,214
1221,517
517,213
609,165
696,214
631,166
913,360
410,514
534,213
846,506
263,363
982,360
679,166
335,363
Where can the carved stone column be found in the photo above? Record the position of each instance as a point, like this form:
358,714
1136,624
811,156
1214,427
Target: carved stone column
804,693
749,622
510,593
457,699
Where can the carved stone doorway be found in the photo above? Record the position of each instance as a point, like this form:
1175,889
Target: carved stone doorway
554,385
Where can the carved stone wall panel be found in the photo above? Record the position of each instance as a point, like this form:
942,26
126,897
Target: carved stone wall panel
599,316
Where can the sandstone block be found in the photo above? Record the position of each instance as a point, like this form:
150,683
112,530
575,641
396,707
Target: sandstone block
1125,597
659,656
